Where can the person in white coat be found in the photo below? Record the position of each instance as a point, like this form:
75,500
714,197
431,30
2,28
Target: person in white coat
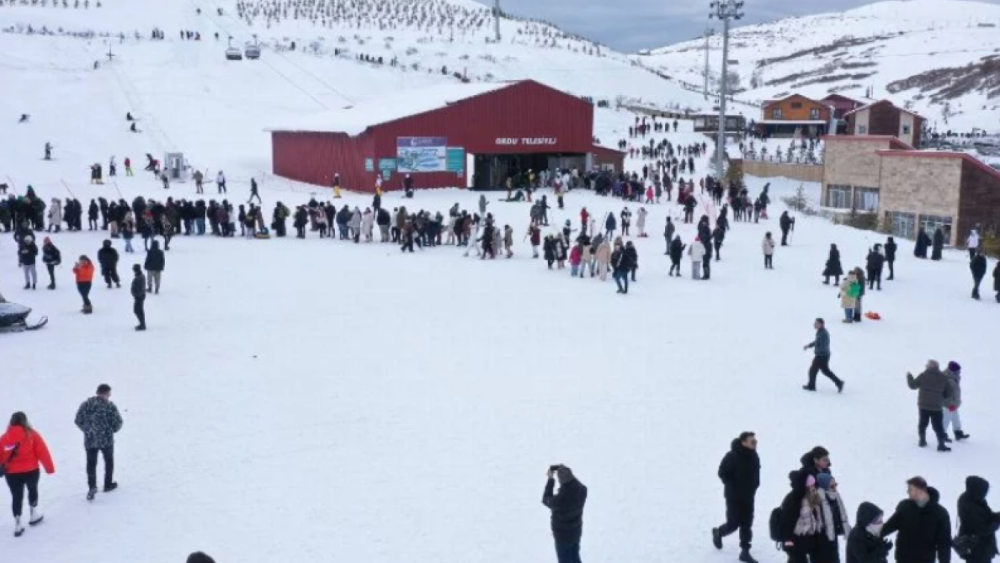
55,215
355,224
767,246
972,243
367,223
697,253
640,222
220,182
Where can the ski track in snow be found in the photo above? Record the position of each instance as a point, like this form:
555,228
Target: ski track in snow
316,400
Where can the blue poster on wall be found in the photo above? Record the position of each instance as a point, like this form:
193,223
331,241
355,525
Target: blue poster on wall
421,154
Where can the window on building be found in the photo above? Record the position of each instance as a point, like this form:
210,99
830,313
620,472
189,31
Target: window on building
903,225
906,129
931,223
796,105
838,196
862,129
814,113
866,199
776,113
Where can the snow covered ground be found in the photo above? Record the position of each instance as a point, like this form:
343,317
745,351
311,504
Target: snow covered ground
316,401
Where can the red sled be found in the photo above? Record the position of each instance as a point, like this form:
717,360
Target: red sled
873,316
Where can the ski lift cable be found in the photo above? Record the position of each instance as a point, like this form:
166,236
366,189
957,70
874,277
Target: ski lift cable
248,30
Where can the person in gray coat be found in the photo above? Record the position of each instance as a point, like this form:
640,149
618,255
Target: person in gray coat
934,389
821,359
952,404
99,420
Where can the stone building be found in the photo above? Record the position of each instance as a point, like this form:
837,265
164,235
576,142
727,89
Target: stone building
911,189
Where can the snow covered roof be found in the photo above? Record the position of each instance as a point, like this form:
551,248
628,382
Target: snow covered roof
863,108
792,122
354,119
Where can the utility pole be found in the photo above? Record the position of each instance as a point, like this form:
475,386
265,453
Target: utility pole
708,33
725,10
496,18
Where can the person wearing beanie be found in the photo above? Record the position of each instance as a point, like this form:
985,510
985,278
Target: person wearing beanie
923,526
51,257
978,520
740,475
567,512
107,257
199,557
139,295
935,389
864,542
953,403
834,518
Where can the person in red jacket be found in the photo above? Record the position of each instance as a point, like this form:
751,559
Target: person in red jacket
84,272
22,449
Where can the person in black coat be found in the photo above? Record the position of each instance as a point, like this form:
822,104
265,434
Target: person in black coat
798,547
922,244
864,543
156,262
874,265
978,269
996,280
787,224
633,258
676,253
567,512
923,524
890,257
740,475
816,461
718,237
107,257
977,519
139,297
51,257
833,267
938,244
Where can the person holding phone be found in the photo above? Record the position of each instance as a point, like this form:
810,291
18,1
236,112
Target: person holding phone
567,511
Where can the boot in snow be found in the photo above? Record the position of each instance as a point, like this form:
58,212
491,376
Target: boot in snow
840,386
92,493
808,388
18,528
716,538
36,516
943,448
959,435
923,442
110,487
947,440
745,557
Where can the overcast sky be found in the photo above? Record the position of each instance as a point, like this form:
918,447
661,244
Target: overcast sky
630,25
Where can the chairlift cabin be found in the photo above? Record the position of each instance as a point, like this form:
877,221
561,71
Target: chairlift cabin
176,167
233,53
252,50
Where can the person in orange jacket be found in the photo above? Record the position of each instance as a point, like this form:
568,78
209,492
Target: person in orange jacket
22,449
84,272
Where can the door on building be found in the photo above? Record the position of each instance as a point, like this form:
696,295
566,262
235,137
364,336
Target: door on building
902,225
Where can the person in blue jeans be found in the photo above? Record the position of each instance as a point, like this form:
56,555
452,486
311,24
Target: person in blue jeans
567,512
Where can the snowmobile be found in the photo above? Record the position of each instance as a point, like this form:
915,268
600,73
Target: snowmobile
14,318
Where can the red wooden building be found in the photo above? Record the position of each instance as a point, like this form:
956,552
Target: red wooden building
452,135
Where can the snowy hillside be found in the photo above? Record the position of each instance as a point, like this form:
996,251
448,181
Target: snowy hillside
938,57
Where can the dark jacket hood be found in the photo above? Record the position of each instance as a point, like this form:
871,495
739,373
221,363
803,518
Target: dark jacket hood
935,496
977,487
867,513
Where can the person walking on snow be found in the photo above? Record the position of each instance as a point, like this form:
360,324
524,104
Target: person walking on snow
83,271
934,389
739,472
567,512
620,267
55,215
668,234
626,221
978,268
976,519
99,420
253,192
640,222
603,259
22,450
787,224
833,267
508,241
767,246
220,182
27,252
107,257
864,541
821,358
890,257
676,252
139,297
610,224
950,417
874,263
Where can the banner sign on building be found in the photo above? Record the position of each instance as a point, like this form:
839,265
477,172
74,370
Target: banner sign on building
386,164
369,165
455,161
422,154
